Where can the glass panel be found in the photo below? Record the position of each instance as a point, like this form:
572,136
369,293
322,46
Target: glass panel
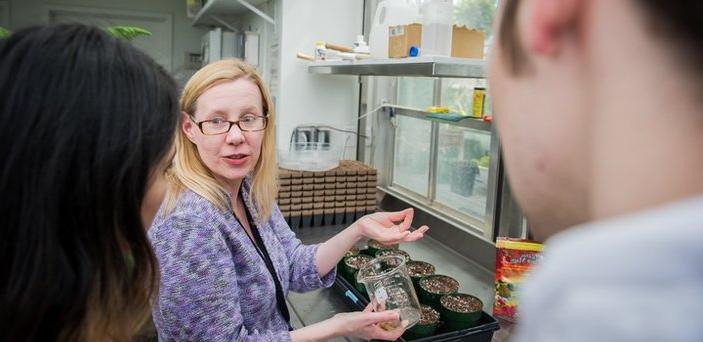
462,169
411,164
457,93
415,92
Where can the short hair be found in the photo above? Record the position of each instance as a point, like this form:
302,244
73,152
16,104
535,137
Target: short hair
676,21
86,119
509,41
188,169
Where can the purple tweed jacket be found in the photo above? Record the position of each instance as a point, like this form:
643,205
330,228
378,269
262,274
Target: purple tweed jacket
214,286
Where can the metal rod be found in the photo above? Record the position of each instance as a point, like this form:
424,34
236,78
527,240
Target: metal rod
434,144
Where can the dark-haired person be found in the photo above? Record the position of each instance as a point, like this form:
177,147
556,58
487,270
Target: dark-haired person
86,130
599,108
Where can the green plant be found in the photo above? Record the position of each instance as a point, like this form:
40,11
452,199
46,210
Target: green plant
484,161
127,32
122,32
4,32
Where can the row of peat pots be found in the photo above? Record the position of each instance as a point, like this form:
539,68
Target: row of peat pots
444,309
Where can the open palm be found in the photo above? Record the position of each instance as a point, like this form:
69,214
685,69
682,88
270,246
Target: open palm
390,227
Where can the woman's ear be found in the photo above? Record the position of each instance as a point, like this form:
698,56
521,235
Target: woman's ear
188,126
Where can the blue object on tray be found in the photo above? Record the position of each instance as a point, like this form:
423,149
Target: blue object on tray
454,117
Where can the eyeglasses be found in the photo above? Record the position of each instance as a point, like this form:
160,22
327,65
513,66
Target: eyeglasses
247,123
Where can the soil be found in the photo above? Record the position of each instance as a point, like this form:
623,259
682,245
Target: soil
393,252
378,245
461,303
419,268
429,315
389,325
352,251
357,261
439,284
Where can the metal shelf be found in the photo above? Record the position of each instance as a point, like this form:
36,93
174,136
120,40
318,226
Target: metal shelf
477,124
215,12
415,66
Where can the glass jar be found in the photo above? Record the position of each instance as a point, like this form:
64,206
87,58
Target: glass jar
389,287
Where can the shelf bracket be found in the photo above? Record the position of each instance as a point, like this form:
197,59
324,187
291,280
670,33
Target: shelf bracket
257,11
224,23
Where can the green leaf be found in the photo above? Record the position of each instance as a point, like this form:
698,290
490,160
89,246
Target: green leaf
4,33
127,32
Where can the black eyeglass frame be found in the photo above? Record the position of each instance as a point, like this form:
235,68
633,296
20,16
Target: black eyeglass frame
231,123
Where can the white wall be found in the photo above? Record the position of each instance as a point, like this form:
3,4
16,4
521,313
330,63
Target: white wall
307,98
185,38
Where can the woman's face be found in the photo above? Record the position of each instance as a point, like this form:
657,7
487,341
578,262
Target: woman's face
229,156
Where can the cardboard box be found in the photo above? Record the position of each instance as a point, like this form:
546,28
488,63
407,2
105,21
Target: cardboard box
466,43
401,38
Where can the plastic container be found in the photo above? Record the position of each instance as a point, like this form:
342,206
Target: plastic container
389,13
437,18
350,265
431,298
426,327
309,156
374,246
457,320
360,45
418,269
394,252
389,287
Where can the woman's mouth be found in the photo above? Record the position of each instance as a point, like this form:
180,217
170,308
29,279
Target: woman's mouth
236,159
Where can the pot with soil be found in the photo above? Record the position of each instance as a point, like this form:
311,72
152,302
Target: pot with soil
418,269
427,326
392,252
352,264
433,287
340,265
460,311
374,246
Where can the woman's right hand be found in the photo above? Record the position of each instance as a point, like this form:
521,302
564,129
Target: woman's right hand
366,324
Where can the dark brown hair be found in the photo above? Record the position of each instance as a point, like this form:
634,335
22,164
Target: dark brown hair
86,119
676,21
508,38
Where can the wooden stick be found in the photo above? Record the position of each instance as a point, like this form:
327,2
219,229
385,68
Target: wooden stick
305,57
338,47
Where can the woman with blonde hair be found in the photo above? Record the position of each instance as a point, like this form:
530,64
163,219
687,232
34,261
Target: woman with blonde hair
226,254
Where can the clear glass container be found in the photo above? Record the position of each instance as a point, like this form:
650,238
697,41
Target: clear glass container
389,287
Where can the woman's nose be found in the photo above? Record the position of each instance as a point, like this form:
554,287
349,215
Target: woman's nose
235,136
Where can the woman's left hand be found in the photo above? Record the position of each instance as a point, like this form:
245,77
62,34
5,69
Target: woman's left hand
383,228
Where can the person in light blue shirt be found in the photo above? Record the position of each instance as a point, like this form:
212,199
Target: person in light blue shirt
598,106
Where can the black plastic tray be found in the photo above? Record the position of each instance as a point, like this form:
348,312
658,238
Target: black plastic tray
482,332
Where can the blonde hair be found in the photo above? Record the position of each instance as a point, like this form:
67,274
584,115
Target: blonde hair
189,171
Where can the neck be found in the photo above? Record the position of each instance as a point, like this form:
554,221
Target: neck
647,130
232,187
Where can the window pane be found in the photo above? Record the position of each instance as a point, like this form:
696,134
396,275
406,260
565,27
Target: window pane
462,169
411,165
415,92
457,93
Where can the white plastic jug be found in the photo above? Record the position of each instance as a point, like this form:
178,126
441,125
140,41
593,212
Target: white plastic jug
437,16
389,13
